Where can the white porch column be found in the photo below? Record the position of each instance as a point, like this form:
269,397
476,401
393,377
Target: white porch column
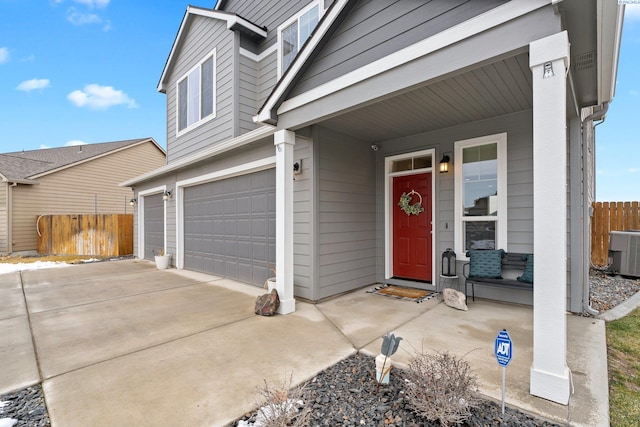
548,60
284,141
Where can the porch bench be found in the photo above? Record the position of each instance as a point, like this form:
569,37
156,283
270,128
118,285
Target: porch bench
511,261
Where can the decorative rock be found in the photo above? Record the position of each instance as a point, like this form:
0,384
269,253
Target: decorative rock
454,299
267,304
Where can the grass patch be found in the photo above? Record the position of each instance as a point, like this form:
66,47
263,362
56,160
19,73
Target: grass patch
623,351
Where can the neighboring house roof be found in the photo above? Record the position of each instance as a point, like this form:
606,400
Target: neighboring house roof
25,166
234,22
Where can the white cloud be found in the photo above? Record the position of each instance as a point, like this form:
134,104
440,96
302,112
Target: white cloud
74,142
633,92
98,97
33,84
29,58
633,170
4,55
632,12
78,18
44,147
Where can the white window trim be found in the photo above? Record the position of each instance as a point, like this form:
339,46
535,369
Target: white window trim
141,198
288,22
184,76
243,169
388,212
501,220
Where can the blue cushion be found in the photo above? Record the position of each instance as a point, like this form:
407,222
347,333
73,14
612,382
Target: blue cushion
485,263
527,275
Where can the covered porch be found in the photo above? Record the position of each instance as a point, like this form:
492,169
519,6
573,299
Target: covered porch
515,98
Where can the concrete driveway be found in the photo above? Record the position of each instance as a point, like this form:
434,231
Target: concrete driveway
121,343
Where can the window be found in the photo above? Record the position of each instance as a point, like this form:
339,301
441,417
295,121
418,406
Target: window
196,94
293,33
481,193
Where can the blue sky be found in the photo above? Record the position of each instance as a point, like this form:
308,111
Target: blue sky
86,71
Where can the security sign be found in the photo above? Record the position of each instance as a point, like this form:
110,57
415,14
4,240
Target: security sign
503,348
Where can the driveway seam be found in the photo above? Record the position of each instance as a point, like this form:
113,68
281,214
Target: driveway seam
116,298
33,341
141,349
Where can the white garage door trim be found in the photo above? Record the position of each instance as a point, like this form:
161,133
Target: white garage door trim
244,169
141,196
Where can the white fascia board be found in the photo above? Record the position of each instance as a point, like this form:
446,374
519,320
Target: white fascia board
610,16
233,143
490,19
265,113
229,18
258,58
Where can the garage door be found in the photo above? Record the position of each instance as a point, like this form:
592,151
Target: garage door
230,227
153,225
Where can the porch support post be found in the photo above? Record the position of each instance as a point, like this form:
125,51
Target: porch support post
548,60
284,140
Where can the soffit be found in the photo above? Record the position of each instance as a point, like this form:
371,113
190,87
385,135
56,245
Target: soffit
496,89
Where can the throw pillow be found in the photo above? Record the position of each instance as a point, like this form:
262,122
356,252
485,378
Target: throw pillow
527,275
485,264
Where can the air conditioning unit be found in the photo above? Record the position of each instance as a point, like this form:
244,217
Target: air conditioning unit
624,252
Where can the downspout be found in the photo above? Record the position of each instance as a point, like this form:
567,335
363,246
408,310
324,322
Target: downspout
597,116
10,215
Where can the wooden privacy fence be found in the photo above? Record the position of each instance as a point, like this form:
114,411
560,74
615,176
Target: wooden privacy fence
85,234
610,216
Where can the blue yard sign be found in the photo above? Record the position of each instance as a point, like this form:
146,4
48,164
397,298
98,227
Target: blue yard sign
503,348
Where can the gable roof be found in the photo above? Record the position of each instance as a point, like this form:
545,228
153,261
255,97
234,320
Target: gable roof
25,166
328,23
234,22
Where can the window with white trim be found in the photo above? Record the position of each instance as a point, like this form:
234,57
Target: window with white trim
481,193
196,94
294,32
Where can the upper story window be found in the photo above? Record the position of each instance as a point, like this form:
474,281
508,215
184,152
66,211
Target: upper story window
294,32
197,94
481,193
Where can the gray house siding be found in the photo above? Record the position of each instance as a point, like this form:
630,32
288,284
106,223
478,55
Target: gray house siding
518,127
269,14
203,35
347,220
267,77
304,220
375,29
247,83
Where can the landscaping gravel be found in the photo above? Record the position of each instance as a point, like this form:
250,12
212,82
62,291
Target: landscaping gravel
344,394
607,290
24,408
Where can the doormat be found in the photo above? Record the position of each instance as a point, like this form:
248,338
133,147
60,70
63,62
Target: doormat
401,292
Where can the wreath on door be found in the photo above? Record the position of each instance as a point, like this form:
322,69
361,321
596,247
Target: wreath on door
407,207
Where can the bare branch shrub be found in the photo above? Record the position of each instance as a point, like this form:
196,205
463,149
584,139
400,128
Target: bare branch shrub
441,387
282,406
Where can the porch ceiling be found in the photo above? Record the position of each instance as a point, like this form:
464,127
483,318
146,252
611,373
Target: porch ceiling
499,88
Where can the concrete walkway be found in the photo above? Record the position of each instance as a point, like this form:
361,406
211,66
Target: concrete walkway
121,343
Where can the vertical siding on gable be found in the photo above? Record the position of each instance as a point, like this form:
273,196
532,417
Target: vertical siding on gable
347,213
375,29
202,36
90,187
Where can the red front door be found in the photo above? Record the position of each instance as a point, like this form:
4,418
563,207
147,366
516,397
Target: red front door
412,253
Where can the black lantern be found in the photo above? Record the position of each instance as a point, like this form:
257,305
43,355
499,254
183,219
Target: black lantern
449,263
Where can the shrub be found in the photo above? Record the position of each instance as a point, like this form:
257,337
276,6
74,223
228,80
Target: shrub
282,406
441,387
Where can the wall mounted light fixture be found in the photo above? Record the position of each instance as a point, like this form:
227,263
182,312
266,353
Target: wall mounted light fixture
133,201
444,164
166,195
